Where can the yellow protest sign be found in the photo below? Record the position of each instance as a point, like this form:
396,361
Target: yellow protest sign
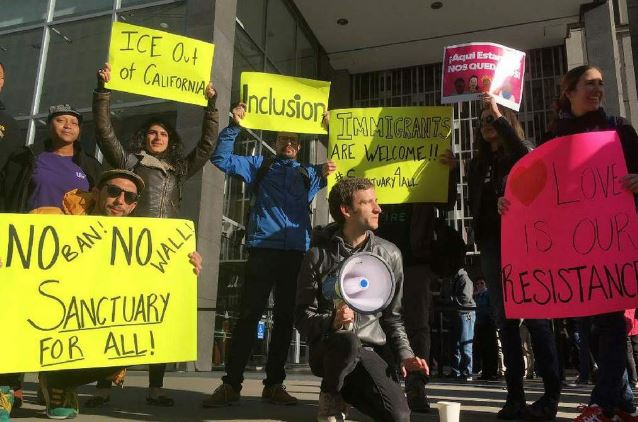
85,291
283,103
158,64
396,148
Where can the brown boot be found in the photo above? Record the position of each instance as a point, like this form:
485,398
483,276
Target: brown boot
224,395
277,394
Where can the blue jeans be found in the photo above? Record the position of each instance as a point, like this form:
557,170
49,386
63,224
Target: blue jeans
612,388
543,341
463,337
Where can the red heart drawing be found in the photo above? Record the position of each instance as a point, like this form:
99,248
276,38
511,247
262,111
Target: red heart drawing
527,182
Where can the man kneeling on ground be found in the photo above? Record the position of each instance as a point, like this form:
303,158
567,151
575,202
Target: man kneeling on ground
349,361
116,196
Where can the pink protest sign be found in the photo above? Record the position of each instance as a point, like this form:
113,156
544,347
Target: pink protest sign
474,68
570,235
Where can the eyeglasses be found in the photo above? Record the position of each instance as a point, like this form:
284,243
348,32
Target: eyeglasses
288,139
114,192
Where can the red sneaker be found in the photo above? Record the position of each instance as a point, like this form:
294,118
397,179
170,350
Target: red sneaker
591,413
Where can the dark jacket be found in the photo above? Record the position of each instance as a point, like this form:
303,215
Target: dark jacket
457,292
314,314
10,138
279,218
512,150
15,176
411,226
163,192
595,121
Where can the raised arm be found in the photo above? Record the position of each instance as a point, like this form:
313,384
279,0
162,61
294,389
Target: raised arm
223,157
210,129
104,134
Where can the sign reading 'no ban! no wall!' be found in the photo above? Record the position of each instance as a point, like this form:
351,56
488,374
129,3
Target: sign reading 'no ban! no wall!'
158,64
570,235
87,291
283,103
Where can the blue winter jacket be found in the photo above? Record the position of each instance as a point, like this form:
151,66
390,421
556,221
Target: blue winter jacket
280,217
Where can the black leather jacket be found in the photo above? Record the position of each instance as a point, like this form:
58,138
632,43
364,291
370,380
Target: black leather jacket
314,314
163,192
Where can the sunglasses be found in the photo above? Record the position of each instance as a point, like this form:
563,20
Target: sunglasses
486,121
288,140
114,192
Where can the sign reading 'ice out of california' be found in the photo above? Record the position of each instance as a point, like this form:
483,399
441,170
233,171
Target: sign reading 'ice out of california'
474,68
158,64
86,291
570,235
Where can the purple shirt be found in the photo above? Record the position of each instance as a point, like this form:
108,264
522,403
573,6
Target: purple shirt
53,176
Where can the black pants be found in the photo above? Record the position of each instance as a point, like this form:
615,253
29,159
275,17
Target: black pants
360,374
486,347
11,380
155,377
266,269
70,378
632,358
417,307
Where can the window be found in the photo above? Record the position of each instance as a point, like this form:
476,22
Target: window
74,7
19,52
251,14
280,37
22,12
76,49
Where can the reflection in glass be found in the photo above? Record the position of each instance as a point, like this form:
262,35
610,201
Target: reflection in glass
19,52
75,51
248,58
22,12
74,7
280,37
306,56
251,13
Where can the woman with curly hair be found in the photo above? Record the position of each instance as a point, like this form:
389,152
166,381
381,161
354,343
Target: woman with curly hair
155,153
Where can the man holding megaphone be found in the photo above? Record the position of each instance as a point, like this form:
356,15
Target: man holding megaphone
349,307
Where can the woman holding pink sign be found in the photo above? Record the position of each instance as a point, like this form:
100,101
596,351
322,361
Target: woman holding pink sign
500,141
580,112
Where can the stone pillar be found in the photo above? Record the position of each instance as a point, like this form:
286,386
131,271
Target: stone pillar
576,47
203,194
602,51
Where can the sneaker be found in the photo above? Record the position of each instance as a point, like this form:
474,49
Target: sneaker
581,381
417,398
332,408
61,403
277,394
622,416
224,395
591,413
6,403
543,409
512,410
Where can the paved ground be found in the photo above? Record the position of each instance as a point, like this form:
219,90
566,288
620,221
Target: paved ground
480,401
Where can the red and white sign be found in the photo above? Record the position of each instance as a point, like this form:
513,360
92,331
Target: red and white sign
474,68
570,235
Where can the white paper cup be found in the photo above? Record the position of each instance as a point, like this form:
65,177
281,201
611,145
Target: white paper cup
449,411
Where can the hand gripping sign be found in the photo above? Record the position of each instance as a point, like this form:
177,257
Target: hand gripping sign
86,291
158,64
283,103
397,148
474,68
570,235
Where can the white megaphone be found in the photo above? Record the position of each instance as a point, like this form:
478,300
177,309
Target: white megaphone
363,281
